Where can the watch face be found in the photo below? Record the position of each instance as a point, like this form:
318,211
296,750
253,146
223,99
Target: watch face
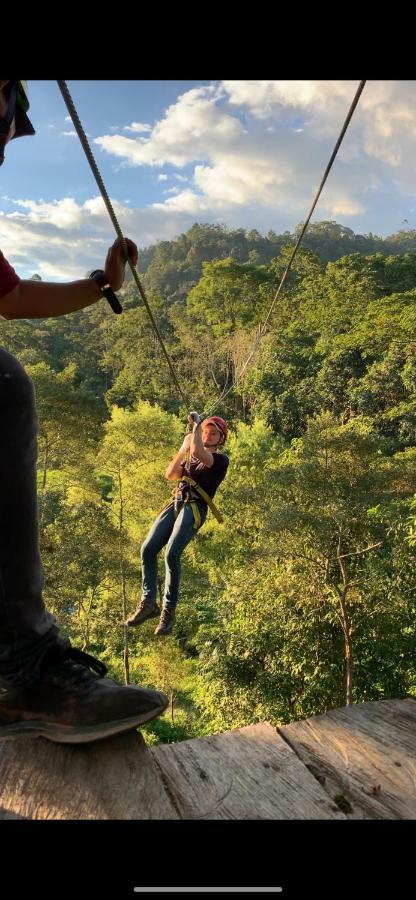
99,277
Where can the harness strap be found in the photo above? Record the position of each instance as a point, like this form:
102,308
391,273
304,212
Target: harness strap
208,500
197,515
195,511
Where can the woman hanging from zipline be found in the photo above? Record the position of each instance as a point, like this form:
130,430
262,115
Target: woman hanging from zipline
200,469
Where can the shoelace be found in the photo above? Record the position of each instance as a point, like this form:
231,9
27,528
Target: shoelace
85,659
58,655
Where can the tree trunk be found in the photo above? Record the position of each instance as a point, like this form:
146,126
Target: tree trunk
86,629
346,627
348,648
123,582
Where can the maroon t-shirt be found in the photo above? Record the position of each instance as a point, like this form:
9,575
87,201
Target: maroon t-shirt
208,478
8,277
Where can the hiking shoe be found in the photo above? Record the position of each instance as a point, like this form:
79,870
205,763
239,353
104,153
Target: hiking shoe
69,703
147,609
166,623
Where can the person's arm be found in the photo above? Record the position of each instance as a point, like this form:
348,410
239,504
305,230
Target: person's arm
174,470
39,299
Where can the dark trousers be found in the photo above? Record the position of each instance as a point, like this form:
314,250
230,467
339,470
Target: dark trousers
27,630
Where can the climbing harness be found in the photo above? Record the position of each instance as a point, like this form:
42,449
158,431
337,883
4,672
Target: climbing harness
192,500
192,503
208,500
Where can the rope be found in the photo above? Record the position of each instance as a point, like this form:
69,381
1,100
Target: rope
262,330
101,186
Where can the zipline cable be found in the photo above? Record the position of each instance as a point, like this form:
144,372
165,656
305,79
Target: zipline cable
263,328
94,168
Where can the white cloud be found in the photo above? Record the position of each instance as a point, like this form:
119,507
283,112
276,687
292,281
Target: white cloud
340,204
60,236
185,202
265,98
138,127
60,213
258,163
62,240
68,134
383,121
190,125
278,158
256,152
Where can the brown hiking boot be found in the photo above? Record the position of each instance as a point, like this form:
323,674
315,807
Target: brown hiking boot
166,623
69,703
147,609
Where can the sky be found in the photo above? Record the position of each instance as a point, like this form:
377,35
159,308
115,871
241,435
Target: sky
244,154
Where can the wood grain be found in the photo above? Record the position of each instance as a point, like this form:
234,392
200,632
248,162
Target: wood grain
364,754
110,779
250,773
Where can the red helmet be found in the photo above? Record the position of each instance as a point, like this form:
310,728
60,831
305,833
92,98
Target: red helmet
220,423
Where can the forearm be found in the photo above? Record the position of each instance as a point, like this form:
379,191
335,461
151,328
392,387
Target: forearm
174,470
39,299
198,449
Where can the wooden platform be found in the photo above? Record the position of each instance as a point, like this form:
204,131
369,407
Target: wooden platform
358,762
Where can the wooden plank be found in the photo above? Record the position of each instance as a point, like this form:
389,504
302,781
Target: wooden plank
111,779
363,754
6,814
250,773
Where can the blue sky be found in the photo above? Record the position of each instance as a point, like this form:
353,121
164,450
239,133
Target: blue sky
245,153
52,164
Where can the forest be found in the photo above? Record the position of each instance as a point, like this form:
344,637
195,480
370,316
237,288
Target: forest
304,598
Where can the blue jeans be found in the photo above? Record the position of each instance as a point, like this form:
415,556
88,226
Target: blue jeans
176,533
27,630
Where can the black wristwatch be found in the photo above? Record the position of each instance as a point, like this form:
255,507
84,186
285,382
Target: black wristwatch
98,275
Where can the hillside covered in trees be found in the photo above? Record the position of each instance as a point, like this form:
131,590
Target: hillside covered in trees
305,598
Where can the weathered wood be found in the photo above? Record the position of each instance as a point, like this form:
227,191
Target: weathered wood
359,760
364,754
250,773
111,779
6,814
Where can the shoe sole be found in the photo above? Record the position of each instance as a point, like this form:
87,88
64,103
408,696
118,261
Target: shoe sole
151,615
78,735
